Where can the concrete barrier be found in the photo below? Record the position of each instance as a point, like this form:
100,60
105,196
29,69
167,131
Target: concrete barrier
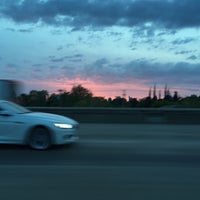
127,115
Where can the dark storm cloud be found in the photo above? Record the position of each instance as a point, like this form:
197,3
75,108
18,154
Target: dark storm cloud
97,13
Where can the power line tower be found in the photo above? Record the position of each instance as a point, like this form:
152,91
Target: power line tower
124,94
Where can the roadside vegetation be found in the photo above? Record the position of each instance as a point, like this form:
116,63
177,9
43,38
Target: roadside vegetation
80,96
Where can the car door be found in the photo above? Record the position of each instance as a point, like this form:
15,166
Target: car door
11,128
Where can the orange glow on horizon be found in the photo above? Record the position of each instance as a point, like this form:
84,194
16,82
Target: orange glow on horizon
137,90
102,90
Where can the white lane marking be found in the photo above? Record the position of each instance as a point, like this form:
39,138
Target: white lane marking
167,145
109,141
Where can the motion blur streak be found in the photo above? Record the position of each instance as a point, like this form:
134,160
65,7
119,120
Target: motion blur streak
10,89
110,162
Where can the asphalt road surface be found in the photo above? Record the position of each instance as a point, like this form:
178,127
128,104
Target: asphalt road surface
111,161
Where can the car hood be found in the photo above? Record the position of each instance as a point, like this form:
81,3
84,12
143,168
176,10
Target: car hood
51,117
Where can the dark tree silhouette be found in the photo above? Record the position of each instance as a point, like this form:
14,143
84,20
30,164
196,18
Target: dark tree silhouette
81,96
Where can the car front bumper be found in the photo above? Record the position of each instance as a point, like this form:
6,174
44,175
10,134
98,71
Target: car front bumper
65,136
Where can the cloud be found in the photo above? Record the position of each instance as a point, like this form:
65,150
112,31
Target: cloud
183,52
37,65
72,58
25,30
183,41
103,13
60,48
193,57
104,72
107,72
11,66
10,29
61,59
101,62
19,30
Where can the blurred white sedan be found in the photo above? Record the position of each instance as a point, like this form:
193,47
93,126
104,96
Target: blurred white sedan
19,125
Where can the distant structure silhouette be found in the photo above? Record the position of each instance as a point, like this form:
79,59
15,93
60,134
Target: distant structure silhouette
124,94
153,94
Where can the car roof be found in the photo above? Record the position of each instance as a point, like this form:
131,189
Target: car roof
3,101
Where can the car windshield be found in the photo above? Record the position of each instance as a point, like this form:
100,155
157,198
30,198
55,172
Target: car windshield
14,108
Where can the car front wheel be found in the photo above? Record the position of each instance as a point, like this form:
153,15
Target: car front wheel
40,139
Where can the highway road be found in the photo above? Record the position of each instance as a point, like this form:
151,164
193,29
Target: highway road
111,161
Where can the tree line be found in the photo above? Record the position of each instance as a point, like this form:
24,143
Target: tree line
80,96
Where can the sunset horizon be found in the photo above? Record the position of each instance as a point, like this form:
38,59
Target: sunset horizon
124,91
114,48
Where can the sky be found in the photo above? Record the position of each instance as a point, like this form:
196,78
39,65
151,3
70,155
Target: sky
112,47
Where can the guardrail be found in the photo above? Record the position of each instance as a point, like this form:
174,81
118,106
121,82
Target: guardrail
126,115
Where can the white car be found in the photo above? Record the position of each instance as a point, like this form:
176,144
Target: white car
19,125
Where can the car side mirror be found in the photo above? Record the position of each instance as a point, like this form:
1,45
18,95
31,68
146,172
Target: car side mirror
5,113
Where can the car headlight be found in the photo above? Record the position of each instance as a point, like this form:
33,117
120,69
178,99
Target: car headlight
60,125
